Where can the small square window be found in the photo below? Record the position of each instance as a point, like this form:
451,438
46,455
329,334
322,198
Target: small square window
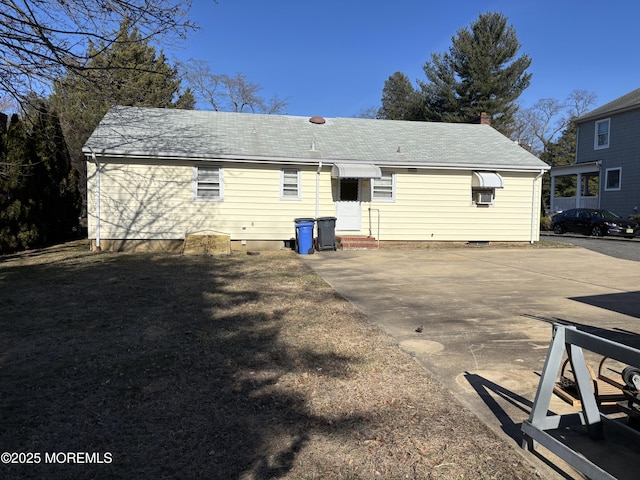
383,188
602,134
613,178
289,184
208,183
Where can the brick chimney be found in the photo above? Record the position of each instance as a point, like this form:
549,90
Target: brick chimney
485,119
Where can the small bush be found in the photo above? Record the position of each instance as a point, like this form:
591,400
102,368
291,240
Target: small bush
545,223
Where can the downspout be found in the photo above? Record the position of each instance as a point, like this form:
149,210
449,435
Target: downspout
318,189
533,207
95,160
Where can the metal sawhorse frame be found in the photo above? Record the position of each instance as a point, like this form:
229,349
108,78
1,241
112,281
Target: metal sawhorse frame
570,339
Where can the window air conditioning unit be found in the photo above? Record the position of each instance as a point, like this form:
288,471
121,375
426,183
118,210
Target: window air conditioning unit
483,198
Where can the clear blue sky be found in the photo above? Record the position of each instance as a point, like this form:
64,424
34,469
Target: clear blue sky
332,57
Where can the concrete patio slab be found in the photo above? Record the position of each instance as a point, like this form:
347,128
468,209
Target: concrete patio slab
477,308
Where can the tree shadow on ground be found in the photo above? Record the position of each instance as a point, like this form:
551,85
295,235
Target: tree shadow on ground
158,366
489,392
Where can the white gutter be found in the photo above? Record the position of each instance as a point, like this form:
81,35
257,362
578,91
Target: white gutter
533,207
95,160
129,155
318,189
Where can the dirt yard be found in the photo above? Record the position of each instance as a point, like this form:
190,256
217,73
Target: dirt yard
149,366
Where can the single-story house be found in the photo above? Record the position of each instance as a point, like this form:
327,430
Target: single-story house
157,176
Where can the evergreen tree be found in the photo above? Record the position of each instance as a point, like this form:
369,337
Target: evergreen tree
54,181
479,73
39,200
400,100
17,231
126,72
559,153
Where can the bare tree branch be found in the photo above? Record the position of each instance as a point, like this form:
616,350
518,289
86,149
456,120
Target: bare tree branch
580,102
538,126
226,93
40,40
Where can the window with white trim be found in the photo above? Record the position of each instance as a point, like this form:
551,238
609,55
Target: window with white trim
613,179
602,134
383,189
208,183
290,184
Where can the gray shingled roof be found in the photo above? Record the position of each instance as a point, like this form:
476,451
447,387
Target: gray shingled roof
192,134
630,101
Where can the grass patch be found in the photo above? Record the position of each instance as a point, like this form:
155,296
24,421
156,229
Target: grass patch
235,367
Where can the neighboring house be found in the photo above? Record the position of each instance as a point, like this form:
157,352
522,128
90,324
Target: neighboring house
158,175
608,148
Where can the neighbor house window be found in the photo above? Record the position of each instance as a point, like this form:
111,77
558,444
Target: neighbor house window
612,178
602,134
289,184
383,189
208,182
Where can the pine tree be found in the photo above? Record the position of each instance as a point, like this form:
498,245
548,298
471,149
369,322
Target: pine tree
400,100
563,152
17,206
127,72
479,73
54,178
39,199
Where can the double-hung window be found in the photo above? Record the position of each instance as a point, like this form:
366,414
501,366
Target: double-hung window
612,180
383,189
602,134
208,183
290,184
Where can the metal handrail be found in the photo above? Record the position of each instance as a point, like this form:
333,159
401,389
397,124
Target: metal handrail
378,224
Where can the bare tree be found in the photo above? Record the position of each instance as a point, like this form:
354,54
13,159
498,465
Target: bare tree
40,40
536,127
580,102
225,93
8,105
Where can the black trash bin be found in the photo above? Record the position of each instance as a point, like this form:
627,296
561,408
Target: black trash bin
326,233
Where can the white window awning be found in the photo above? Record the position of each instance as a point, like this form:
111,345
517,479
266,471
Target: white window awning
355,170
487,180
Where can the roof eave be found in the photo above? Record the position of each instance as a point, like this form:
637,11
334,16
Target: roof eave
308,161
594,116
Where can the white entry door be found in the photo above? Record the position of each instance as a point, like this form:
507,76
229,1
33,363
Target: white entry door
348,206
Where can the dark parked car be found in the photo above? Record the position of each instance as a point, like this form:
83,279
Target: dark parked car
591,221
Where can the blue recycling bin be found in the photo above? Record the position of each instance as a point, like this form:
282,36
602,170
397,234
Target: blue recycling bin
304,235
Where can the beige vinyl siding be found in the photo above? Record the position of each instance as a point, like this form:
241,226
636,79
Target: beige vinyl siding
158,202
151,201
437,205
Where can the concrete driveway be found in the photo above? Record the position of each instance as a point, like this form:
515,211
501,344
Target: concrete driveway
474,303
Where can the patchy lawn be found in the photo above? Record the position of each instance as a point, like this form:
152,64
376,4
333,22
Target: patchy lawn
234,367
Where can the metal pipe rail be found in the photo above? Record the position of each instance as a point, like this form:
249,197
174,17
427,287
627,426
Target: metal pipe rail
378,224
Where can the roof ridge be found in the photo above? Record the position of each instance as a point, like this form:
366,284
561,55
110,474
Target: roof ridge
628,101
